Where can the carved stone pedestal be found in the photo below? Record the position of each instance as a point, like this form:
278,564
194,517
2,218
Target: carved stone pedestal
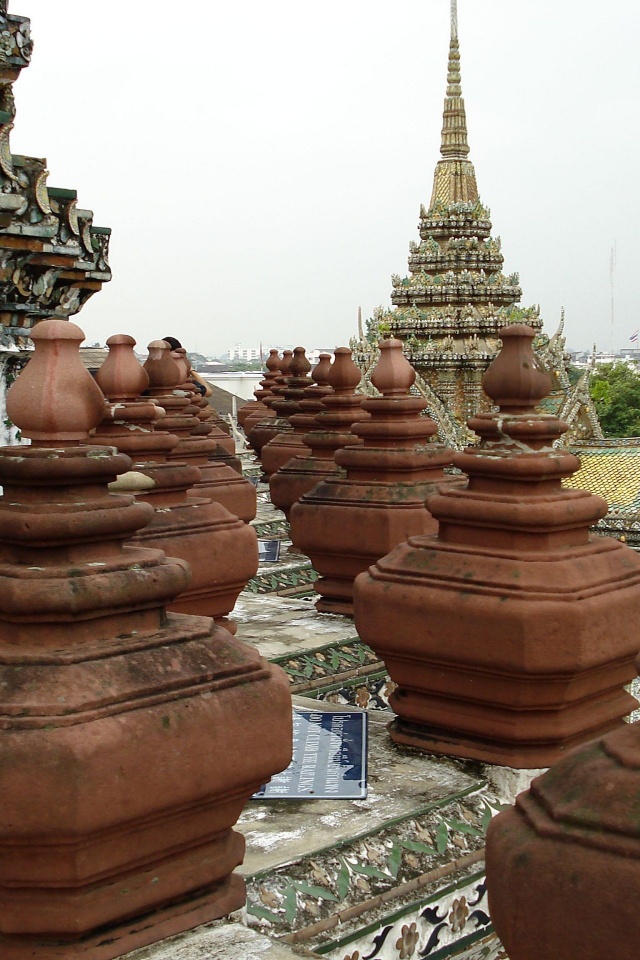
563,865
261,431
221,550
354,517
284,484
256,408
333,430
508,633
130,739
277,451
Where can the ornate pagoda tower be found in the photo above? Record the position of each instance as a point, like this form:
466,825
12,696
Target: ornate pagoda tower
455,300
52,256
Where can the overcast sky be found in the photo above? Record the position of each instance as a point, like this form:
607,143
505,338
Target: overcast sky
262,163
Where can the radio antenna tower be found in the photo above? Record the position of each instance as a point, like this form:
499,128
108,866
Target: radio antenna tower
612,272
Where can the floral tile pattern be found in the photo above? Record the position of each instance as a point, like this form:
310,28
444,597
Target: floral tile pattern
287,578
272,529
392,872
332,661
340,673
436,929
370,692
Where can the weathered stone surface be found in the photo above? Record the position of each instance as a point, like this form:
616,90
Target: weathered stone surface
256,410
287,484
259,433
377,500
223,551
525,649
277,451
220,941
333,430
576,833
130,738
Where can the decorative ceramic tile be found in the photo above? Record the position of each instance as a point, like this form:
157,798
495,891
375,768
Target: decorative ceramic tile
394,872
277,529
433,930
329,663
282,577
634,690
369,692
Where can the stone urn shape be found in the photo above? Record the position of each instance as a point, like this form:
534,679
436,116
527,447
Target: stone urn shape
576,833
354,517
332,430
256,407
507,631
259,432
284,484
277,451
131,737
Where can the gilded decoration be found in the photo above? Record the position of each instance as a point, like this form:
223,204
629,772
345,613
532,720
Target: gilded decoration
52,257
455,299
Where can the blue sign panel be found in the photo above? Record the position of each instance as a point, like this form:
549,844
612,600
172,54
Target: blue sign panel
329,758
268,551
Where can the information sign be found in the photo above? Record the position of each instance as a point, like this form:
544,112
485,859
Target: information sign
329,758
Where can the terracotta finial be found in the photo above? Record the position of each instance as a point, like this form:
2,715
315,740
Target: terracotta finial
300,366
273,361
184,364
515,380
344,375
162,369
122,376
393,374
285,363
320,373
55,399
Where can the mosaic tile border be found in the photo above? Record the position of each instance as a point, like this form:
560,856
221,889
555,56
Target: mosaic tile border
313,668
370,692
455,918
360,881
346,673
634,690
280,579
272,529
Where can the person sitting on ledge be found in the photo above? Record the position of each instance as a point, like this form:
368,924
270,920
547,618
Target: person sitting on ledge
201,385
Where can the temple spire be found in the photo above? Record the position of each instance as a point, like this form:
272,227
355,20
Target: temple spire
454,127
455,178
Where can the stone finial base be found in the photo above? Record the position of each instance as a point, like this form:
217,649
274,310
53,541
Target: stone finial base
219,900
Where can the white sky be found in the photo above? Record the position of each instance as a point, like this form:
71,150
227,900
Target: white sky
262,163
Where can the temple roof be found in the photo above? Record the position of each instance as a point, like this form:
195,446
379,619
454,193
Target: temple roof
610,468
52,256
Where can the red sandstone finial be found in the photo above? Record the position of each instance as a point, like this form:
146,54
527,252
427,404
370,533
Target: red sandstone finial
344,375
162,369
300,366
515,380
393,374
285,363
273,361
122,376
55,400
320,374
183,362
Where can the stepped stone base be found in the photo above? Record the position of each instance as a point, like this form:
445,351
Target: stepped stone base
220,900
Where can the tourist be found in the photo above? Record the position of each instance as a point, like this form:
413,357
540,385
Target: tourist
200,384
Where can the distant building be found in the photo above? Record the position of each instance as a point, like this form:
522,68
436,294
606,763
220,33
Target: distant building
246,354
